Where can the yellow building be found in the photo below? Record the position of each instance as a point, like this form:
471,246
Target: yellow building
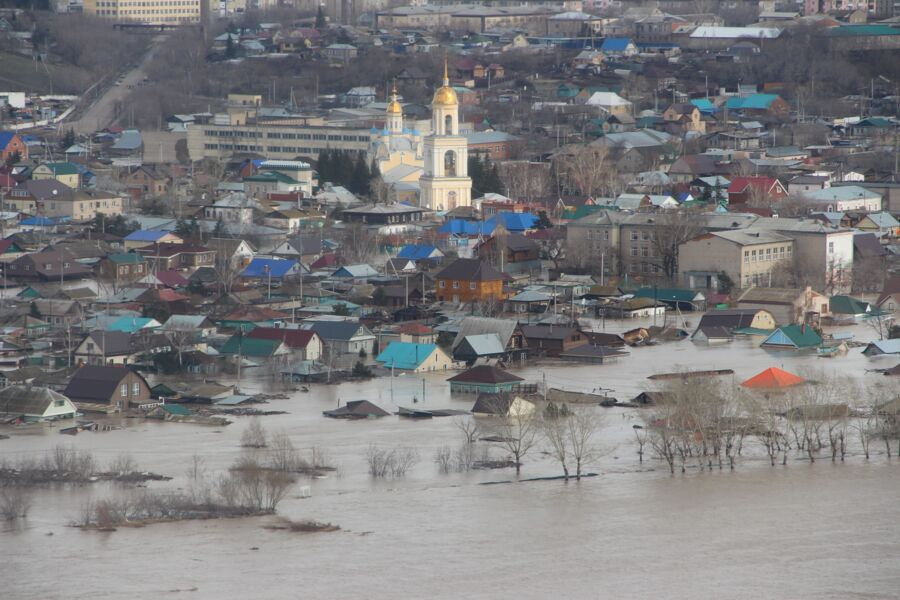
155,12
65,173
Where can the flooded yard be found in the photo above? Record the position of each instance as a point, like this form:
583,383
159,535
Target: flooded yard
805,530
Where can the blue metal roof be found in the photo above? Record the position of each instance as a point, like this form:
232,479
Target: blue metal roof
463,227
416,252
515,221
405,355
615,44
143,235
263,267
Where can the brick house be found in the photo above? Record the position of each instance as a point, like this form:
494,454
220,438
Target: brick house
117,387
467,280
11,144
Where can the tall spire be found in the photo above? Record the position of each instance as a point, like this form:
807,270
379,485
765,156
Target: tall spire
446,75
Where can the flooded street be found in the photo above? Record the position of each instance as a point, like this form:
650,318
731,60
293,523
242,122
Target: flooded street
802,531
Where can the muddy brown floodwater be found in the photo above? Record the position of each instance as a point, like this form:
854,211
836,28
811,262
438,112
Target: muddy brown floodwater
802,531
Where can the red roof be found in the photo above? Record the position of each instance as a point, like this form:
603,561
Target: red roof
415,329
172,279
167,295
760,183
326,260
293,338
773,378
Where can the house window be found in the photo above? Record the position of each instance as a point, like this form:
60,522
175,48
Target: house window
830,247
768,254
123,390
753,255
634,236
606,235
455,285
471,285
136,389
645,235
59,403
645,251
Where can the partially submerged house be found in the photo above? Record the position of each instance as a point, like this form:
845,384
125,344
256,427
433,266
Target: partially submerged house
551,341
722,324
484,379
107,387
773,378
792,337
508,332
414,358
32,403
502,405
356,409
880,347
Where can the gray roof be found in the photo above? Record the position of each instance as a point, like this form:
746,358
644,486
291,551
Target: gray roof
186,322
96,383
485,344
751,237
129,140
28,400
338,330
844,192
503,328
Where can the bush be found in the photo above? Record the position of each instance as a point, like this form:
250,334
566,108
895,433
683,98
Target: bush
254,436
394,463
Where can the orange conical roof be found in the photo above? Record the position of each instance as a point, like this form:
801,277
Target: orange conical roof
773,377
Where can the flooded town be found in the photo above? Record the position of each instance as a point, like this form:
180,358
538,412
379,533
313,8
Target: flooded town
531,299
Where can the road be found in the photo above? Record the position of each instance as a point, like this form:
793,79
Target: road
102,112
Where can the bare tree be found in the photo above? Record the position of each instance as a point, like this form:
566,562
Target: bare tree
468,427
586,169
556,433
516,433
283,456
582,426
672,229
255,435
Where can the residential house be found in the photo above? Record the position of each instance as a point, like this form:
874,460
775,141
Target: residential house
304,344
235,252
755,190
235,208
33,403
611,103
721,324
341,52
414,358
484,379
889,299
552,340
618,47
113,387
844,198
57,312
686,117
343,337
357,273
64,172
742,258
880,222
241,347
383,214
787,305
421,254
503,404
147,182
469,280
507,331
792,337
122,268
169,256
200,325
882,347
519,254
47,266
480,347
142,238
266,270
759,105
12,146
674,298
305,249
118,347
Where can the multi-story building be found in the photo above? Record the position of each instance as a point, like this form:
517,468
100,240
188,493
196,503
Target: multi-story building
153,12
276,140
746,257
624,243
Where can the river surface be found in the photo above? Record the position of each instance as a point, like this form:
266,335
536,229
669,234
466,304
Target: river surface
802,531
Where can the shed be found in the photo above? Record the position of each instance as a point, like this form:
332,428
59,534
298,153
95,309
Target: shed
502,405
484,379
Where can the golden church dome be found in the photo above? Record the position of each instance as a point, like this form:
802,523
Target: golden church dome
445,96
394,108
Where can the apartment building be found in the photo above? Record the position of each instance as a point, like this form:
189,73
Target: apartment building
746,257
277,141
153,12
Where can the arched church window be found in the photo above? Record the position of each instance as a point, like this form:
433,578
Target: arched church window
448,125
450,163
451,200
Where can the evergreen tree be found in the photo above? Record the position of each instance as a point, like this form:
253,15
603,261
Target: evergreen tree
219,229
320,18
68,140
230,50
360,177
475,174
324,166
34,311
544,221
706,196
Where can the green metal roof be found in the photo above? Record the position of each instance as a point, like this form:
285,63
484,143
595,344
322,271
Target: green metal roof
847,305
863,30
267,176
794,335
245,346
62,168
129,258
